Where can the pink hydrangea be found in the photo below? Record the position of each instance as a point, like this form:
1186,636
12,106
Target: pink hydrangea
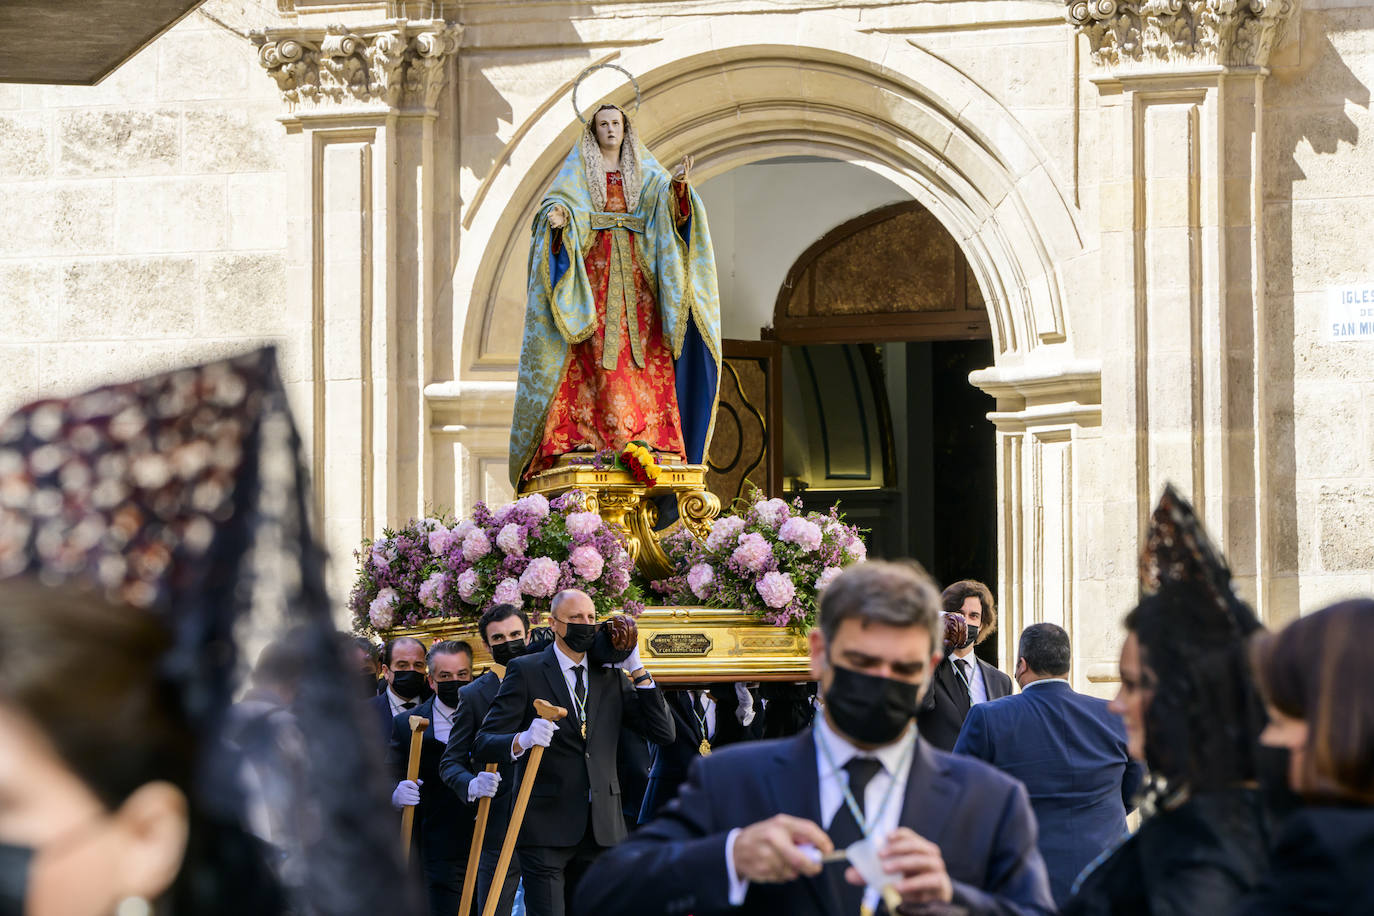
508,592
467,584
428,523
476,546
587,562
827,576
382,610
583,524
805,533
511,540
699,579
383,552
855,550
503,514
723,532
440,540
463,529
540,578
753,552
433,589
776,589
534,506
773,511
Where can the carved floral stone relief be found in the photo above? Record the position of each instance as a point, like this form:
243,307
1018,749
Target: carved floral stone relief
1143,34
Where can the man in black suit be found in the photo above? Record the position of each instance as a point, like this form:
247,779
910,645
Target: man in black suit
1068,749
705,720
504,629
962,680
443,827
745,830
403,669
575,810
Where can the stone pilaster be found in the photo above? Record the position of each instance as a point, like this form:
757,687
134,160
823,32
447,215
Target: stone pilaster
1179,174
369,115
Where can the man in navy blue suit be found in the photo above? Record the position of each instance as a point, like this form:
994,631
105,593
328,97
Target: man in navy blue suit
1068,749
746,829
404,669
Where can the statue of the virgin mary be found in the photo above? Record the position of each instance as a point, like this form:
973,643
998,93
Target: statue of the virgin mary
622,316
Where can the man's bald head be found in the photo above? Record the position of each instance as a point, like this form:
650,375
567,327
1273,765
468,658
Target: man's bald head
571,604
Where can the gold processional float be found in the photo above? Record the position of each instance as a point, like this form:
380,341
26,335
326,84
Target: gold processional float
612,197
679,645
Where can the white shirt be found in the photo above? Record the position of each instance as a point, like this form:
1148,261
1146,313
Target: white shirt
883,820
398,704
1045,680
977,687
442,725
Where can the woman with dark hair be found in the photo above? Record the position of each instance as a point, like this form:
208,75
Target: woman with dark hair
1317,678
96,809
1193,716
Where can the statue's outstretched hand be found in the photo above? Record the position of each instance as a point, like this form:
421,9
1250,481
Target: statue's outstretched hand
558,217
684,169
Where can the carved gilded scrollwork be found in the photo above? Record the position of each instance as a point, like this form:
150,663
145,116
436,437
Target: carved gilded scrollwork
697,509
399,64
1145,34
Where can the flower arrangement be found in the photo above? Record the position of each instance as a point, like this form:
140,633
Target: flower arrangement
768,558
523,553
635,458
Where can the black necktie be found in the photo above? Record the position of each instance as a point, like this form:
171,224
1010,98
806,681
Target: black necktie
700,708
579,690
964,670
410,704
845,830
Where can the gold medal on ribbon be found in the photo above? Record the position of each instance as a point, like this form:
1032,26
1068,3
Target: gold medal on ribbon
704,748
584,729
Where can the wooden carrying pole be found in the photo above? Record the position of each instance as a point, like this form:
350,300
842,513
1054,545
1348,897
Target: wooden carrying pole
479,833
553,713
418,724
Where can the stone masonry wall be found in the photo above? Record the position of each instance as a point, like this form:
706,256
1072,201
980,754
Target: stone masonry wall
142,220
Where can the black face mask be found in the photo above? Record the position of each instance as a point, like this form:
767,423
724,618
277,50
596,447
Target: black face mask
503,652
14,878
580,636
972,636
869,709
407,684
447,692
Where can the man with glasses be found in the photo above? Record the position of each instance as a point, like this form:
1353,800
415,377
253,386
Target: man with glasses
574,810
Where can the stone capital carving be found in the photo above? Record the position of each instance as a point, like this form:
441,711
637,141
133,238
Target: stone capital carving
398,64
1156,35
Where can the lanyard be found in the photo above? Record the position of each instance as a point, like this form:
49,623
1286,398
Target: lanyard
701,719
854,807
968,684
580,705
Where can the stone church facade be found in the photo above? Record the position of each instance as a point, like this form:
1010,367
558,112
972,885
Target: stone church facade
1158,202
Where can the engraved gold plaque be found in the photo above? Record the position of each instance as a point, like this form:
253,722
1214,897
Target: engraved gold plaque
741,647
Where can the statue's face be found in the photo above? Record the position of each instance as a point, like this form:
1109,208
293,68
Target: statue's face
610,128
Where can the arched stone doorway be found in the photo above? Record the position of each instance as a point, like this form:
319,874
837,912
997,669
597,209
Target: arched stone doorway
878,104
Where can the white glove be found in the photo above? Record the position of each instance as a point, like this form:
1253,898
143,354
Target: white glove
483,785
539,733
631,662
407,792
745,710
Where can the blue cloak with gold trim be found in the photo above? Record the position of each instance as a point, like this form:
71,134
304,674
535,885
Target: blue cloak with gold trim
678,265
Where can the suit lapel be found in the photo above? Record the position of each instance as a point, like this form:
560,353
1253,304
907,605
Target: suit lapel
562,696
796,790
949,678
930,794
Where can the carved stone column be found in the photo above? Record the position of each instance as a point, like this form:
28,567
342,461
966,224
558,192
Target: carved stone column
369,114
1179,171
